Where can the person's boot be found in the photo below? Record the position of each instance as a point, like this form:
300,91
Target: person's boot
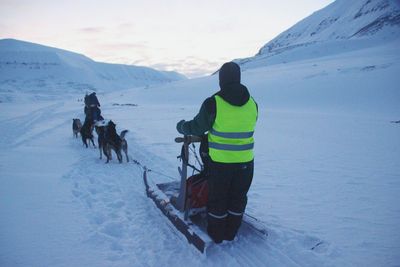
216,228
233,223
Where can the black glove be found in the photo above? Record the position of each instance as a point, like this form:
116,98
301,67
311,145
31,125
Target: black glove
179,127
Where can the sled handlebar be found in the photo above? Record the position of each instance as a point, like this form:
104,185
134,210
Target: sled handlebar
188,138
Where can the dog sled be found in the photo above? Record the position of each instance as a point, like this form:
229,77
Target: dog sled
183,202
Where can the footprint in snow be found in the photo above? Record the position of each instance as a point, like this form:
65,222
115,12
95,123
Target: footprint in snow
113,229
116,205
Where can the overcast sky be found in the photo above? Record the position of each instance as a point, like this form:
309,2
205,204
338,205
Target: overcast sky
191,37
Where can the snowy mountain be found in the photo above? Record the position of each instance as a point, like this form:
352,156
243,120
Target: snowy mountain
340,27
28,66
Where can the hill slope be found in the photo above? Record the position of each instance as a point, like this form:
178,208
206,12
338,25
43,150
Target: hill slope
28,66
340,27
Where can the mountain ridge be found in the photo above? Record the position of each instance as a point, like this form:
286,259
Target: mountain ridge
340,25
30,66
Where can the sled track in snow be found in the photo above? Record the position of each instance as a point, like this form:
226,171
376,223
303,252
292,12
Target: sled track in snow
27,127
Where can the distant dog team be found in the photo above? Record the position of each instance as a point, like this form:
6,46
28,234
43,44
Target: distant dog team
107,136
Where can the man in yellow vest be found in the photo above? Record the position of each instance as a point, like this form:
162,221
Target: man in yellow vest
229,117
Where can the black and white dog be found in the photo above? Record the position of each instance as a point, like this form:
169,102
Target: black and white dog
110,140
76,127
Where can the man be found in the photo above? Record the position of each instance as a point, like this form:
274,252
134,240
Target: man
92,110
229,117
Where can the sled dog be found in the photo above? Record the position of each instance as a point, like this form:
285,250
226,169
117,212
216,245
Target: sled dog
113,141
76,127
87,133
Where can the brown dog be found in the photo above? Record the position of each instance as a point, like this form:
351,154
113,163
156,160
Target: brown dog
76,127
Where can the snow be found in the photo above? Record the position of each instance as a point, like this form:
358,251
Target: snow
326,181
326,171
337,28
30,67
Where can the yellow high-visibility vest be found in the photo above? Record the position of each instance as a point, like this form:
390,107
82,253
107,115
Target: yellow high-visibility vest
231,138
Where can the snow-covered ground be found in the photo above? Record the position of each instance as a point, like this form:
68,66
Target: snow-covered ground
327,170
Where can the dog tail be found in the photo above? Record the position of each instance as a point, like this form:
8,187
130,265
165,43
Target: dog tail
122,135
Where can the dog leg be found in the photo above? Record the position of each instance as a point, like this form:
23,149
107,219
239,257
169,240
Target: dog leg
107,152
124,146
91,139
125,149
108,157
84,141
104,150
119,156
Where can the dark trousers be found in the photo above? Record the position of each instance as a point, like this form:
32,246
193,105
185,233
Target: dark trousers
228,185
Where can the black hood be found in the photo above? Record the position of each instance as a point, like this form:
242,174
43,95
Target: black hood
232,90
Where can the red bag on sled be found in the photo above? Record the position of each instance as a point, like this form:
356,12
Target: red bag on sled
197,188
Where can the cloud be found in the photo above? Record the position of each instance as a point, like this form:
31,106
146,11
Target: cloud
12,3
3,27
92,30
119,52
143,53
124,46
192,67
126,26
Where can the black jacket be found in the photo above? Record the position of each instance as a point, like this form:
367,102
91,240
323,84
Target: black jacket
91,100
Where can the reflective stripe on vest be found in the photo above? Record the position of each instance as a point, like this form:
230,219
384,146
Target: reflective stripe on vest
231,138
232,135
230,147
